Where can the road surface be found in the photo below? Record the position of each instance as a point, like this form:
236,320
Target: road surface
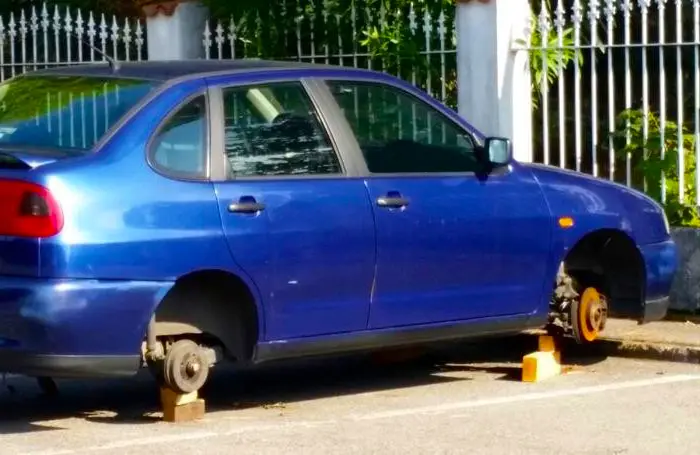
450,402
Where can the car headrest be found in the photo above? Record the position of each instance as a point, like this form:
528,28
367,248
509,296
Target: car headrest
291,124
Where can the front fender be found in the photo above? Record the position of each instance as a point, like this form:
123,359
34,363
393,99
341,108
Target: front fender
596,204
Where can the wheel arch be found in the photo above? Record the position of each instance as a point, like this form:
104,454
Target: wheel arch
610,258
213,303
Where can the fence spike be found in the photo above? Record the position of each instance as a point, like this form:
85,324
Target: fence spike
12,27
610,9
126,33
412,20
594,10
644,5
544,22
560,16
23,30
68,22
427,24
627,7
577,14
79,25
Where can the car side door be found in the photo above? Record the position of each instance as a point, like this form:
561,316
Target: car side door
296,216
452,243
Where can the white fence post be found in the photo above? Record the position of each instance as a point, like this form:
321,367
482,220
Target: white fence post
493,81
174,28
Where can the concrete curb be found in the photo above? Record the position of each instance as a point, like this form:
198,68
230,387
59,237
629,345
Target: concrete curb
631,348
683,317
650,350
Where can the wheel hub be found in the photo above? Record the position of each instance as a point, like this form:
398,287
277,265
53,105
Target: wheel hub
185,369
596,316
192,366
593,313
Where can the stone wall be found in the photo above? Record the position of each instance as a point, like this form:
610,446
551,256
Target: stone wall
685,293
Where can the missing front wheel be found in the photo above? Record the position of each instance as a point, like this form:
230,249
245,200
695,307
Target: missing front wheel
577,310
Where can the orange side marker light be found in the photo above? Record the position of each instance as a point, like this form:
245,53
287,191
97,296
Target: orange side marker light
566,222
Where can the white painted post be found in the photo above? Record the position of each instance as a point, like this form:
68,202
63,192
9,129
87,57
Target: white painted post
174,29
494,92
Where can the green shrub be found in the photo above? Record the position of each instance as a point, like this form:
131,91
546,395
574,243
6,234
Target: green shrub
654,157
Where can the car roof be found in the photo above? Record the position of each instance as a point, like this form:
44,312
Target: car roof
166,70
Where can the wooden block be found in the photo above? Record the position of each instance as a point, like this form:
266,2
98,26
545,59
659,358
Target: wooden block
170,398
545,343
184,413
181,407
539,366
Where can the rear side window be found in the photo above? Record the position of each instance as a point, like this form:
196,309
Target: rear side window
64,112
274,130
180,145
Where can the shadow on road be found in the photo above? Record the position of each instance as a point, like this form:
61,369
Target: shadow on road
135,400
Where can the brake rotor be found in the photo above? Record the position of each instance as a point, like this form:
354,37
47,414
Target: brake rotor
589,316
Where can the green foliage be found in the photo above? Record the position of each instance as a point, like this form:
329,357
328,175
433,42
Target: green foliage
394,38
392,43
551,59
380,37
549,54
648,162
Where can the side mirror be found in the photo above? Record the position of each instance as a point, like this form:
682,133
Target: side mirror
498,151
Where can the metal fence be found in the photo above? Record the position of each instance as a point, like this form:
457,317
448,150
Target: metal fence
49,36
417,43
617,87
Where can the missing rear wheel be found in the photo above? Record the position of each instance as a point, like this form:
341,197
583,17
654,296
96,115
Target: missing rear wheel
185,367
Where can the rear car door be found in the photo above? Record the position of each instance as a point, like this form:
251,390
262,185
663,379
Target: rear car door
296,219
450,245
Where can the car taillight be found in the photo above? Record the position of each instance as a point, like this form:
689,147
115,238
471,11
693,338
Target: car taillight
28,210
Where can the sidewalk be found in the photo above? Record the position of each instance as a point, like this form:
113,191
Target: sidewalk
661,332
662,340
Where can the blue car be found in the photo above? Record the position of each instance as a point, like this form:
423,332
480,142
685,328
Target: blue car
172,215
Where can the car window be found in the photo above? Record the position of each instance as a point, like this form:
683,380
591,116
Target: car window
399,133
274,130
180,146
68,114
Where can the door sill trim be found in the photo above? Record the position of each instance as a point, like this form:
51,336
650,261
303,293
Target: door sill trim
368,340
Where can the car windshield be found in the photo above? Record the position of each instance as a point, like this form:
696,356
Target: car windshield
69,113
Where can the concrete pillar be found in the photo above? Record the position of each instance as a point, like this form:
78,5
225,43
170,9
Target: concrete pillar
493,81
175,29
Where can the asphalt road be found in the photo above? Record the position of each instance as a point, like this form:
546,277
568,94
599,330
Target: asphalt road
447,402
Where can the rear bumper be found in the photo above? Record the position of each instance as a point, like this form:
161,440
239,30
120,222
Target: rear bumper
74,328
661,265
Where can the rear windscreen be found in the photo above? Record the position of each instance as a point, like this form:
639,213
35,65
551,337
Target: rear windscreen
64,112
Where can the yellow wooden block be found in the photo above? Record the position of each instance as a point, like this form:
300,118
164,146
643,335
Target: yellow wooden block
170,398
540,365
189,412
179,407
546,344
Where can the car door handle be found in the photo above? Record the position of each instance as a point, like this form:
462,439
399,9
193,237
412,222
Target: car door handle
246,206
392,201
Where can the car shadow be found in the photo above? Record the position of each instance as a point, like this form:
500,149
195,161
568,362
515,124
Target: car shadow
136,400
